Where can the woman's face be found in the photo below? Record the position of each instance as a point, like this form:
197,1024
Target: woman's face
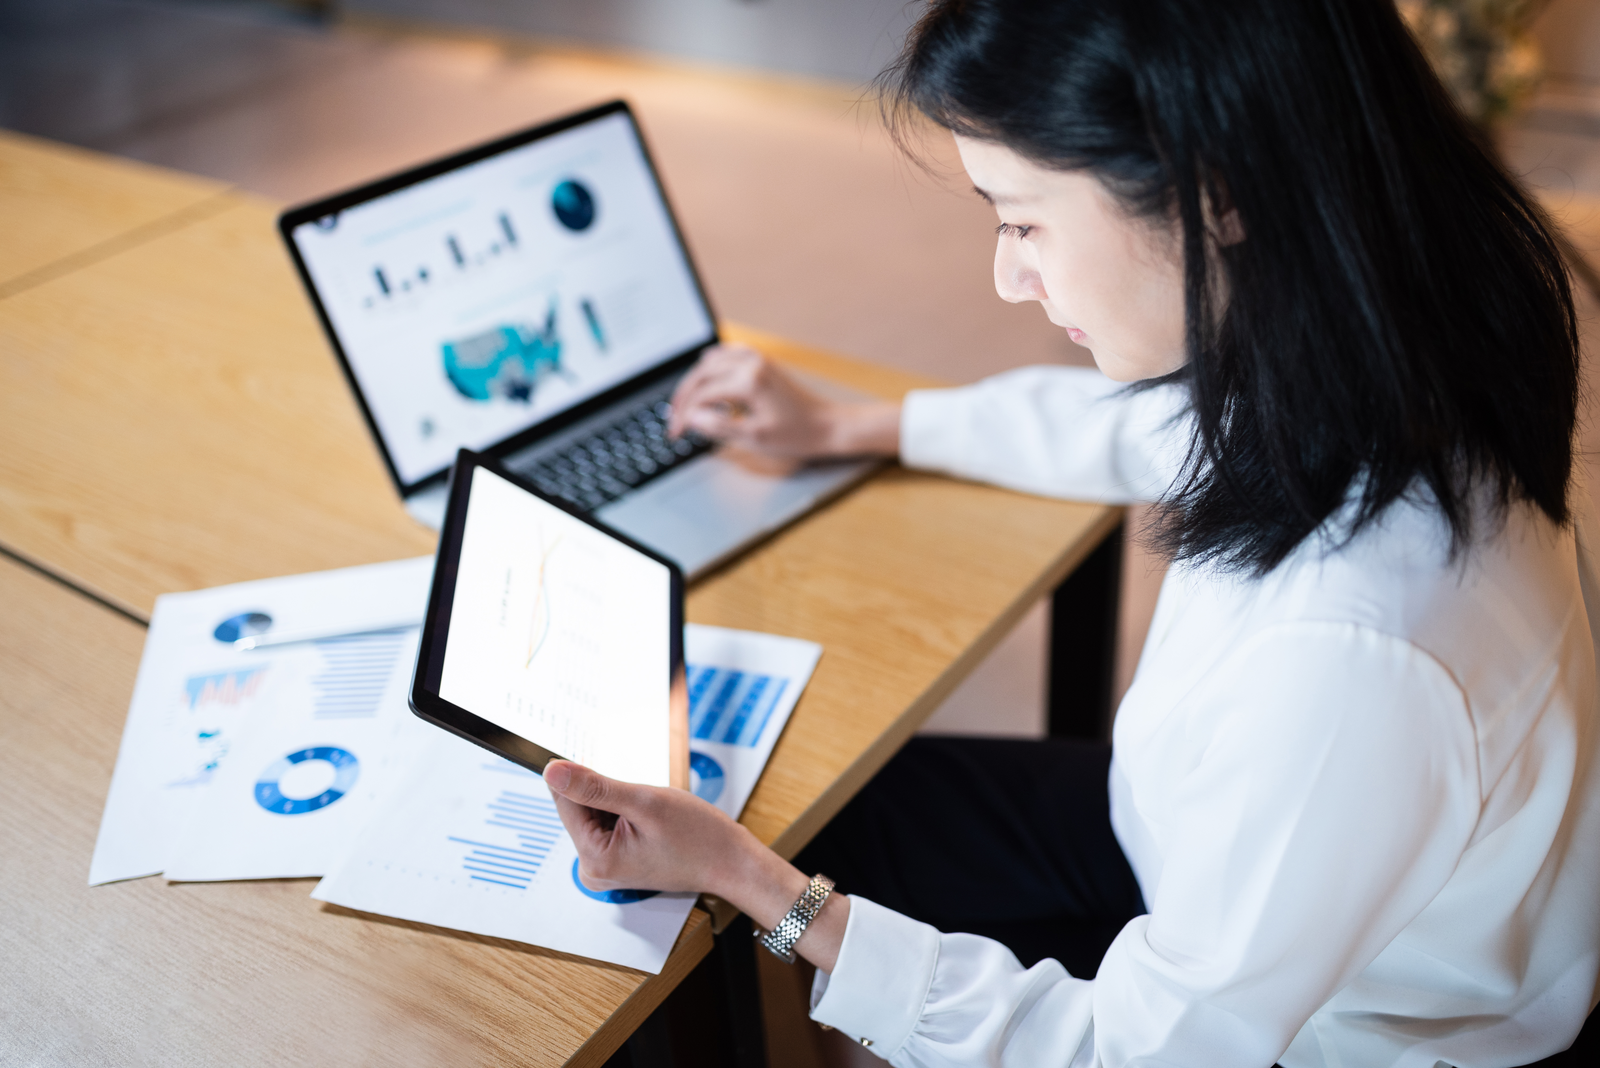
1114,283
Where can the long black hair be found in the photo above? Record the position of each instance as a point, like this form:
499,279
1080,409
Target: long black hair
1397,320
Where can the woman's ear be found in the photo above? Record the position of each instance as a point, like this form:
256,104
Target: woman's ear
1222,218
1228,228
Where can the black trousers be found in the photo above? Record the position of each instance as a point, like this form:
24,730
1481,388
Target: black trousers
1007,838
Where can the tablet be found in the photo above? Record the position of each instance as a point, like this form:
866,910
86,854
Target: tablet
550,636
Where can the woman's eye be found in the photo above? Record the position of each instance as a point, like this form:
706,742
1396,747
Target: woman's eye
1012,230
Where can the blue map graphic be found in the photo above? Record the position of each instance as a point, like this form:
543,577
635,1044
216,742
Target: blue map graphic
507,362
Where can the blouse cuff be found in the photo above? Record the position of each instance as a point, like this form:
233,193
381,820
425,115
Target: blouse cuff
929,422
880,982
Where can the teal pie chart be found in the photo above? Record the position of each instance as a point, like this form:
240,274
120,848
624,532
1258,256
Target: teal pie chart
346,768
573,205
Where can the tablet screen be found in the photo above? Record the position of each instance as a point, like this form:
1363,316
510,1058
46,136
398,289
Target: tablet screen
560,633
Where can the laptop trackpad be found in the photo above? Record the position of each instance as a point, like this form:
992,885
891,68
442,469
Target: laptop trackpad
701,512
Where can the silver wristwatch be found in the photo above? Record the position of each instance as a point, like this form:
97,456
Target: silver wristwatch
781,939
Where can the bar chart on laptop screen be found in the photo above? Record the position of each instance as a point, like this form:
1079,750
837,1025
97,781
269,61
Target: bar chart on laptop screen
481,301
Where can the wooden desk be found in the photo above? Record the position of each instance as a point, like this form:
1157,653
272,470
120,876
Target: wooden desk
63,207
170,419
233,973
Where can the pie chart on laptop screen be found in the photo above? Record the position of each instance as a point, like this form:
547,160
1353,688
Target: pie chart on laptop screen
573,204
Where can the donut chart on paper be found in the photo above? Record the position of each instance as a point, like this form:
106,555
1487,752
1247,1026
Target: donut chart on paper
610,897
345,770
243,625
706,778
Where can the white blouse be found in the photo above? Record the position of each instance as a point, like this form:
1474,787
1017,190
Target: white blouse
1359,793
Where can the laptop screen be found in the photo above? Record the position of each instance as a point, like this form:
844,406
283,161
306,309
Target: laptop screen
477,303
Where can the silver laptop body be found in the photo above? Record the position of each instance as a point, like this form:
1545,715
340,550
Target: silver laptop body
533,299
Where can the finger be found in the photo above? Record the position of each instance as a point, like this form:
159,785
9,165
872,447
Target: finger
582,822
720,383
714,361
717,421
587,826
683,395
729,393
716,424
587,787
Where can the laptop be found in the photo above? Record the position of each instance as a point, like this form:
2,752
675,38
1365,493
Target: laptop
532,299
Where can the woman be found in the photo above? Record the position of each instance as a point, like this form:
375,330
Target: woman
1354,774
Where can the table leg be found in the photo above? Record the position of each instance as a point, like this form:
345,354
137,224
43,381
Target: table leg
740,994
1083,644
712,1020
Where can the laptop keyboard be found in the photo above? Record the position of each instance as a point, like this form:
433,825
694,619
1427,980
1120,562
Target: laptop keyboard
618,457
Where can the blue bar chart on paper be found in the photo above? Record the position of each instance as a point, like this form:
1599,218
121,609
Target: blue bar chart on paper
519,829
356,670
731,707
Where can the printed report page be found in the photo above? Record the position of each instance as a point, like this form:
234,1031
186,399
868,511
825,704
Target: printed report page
561,634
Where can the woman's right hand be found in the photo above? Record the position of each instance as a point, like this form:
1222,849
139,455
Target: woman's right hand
736,395
657,838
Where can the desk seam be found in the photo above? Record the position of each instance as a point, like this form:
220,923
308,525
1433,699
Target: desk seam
42,569
119,243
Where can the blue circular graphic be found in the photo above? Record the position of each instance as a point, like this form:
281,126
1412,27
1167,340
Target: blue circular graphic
610,897
706,776
345,769
243,625
573,204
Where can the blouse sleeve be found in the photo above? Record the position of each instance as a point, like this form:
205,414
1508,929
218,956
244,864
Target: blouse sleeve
1057,431
1322,795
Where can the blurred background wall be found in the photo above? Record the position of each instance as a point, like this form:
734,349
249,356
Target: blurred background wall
1569,33
851,40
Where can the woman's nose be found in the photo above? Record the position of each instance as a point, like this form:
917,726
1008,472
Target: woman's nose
1014,278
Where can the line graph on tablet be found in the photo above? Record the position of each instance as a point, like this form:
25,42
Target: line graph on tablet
539,624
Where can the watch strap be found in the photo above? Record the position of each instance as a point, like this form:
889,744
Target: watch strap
780,941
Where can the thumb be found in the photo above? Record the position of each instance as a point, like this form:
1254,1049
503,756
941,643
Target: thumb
587,787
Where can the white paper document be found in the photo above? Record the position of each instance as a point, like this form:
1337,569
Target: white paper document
302,779
472,842
197,697
742,687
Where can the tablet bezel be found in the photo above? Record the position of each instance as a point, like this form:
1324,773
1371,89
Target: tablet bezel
425,700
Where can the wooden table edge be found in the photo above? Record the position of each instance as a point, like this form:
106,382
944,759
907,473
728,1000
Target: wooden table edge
693,945
816,816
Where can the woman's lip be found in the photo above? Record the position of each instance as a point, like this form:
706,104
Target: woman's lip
1076,335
